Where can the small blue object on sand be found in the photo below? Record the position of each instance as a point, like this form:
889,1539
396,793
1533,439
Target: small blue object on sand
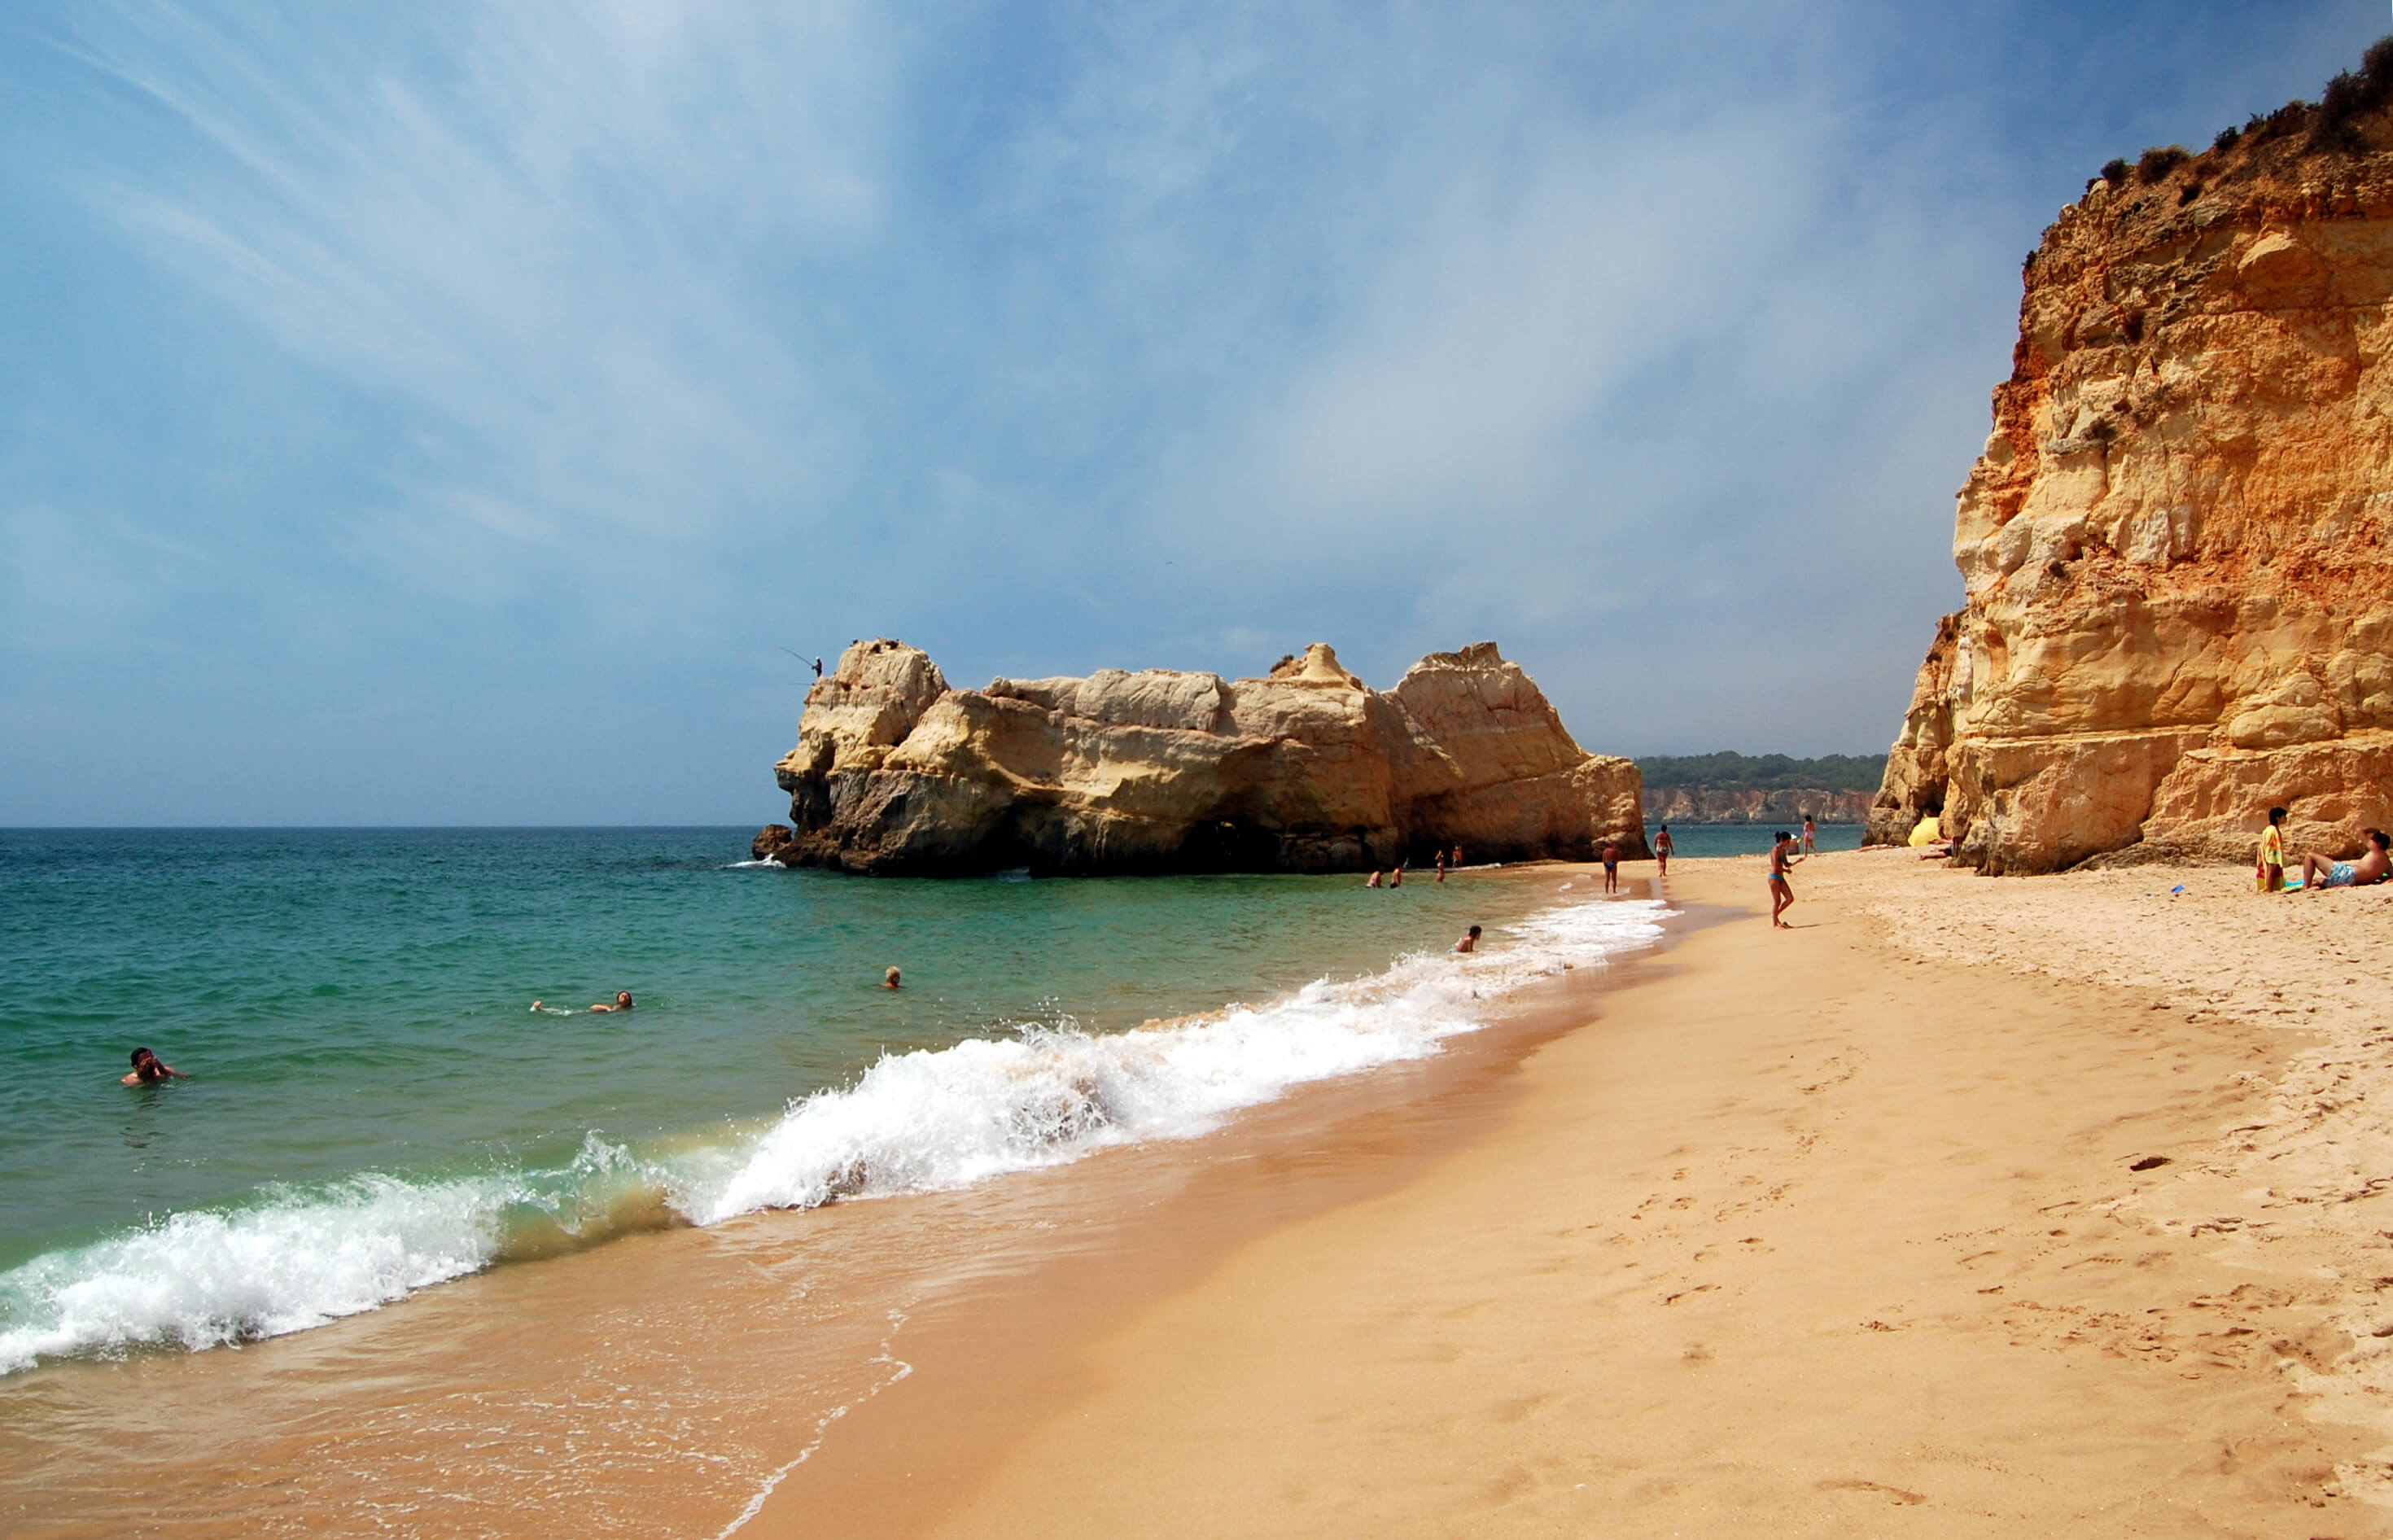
2175,890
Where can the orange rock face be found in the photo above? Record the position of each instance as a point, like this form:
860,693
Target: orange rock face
1159,770
2177,545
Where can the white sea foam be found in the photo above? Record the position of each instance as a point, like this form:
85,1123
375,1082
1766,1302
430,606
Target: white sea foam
914,1122
925,1121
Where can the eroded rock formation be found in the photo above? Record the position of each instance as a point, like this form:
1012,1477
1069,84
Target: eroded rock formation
2177,545
1307,770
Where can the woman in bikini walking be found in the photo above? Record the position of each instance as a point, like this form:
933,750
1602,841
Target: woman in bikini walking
1781,895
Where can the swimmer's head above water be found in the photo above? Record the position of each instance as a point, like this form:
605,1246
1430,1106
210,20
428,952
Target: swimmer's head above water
889,979
148,1069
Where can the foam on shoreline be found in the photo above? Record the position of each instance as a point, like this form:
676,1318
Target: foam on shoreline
298,1256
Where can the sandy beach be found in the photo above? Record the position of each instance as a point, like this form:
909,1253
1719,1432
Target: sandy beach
1833,1230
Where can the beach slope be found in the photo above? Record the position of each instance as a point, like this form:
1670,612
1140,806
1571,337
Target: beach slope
1830,1231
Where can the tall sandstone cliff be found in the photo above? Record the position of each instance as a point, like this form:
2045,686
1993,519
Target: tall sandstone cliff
1307,770
2177,545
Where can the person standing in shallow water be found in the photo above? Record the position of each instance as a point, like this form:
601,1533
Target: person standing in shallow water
1469,943
1612,866
1441,863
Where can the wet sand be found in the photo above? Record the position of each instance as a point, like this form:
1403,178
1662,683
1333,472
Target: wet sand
663,1384
1826,1232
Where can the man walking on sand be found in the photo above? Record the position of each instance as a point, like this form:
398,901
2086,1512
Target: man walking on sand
1782,895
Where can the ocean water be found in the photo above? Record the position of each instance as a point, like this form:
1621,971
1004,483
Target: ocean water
374,1107
1696,841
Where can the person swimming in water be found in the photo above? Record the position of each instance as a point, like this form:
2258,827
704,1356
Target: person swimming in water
150,1070
623,1002
889,979
1469,943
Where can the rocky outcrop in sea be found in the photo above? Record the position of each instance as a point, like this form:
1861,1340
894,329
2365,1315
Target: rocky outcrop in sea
1161,771
2177,545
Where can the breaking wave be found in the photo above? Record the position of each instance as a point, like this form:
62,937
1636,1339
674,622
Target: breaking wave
294,1256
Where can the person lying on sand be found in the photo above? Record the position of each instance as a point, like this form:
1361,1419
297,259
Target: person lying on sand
150,1070
1469,943
2321,871
623,1002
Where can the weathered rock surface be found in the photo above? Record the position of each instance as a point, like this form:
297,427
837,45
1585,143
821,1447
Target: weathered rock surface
2177,546
1307,770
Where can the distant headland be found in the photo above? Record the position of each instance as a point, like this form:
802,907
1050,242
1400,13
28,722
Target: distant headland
1728,787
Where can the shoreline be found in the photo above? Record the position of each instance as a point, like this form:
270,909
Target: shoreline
985,1369
1809,1232
657,1381
1831,1231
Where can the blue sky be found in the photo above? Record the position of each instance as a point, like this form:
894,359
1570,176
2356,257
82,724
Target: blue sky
445,413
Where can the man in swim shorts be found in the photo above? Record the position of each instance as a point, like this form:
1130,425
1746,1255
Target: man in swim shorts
150,1070
1782,894
2373,866
1612,866
1469,943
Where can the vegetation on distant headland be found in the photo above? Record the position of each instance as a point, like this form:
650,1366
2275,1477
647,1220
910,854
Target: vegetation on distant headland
1727,771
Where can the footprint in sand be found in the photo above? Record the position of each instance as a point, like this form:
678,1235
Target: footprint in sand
1896,1493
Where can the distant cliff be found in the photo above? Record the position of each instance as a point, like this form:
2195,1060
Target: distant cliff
1728,787
1703,805
1157,771
2177,545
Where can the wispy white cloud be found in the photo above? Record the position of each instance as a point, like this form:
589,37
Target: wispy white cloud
519,351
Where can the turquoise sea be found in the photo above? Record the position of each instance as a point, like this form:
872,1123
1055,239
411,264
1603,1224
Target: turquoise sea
372,1106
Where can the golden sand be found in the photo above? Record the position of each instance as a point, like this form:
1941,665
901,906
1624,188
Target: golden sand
1833,1230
